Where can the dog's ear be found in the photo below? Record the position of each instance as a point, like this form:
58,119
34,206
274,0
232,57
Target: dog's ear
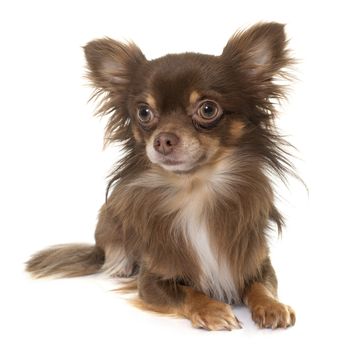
259,52
111,64
111,68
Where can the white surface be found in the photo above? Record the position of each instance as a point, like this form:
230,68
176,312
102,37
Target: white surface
53,169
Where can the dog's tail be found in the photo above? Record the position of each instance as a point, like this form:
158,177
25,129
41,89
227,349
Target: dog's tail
66,260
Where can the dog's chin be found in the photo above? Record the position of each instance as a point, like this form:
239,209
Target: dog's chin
178,166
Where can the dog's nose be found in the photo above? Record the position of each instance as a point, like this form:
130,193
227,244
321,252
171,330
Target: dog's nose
165,142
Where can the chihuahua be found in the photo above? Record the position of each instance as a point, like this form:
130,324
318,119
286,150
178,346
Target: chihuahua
189,204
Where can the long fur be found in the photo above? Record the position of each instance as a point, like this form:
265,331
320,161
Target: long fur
66,260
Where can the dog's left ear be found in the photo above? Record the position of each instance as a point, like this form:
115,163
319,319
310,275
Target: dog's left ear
258,52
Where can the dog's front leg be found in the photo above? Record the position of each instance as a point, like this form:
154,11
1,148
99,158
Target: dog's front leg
261,298
168,296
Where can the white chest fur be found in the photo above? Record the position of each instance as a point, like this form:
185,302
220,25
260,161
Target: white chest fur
216,278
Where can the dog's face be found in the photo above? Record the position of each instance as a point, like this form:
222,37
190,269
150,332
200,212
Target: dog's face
185,110
179,113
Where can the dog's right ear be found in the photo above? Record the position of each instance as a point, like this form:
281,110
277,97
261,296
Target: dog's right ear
111,64
111,68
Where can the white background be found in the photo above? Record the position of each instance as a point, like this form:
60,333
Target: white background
53,170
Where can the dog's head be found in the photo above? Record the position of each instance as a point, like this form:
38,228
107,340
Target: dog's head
184,110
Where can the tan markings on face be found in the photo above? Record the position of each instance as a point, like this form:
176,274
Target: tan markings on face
210,144
236,128
151,101
208,141
194,97
137,134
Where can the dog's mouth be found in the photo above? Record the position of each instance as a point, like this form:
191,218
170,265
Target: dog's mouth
167,161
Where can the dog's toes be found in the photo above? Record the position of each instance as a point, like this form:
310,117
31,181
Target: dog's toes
273,314
215,317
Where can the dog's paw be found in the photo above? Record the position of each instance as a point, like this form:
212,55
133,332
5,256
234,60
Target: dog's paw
272,314
215,316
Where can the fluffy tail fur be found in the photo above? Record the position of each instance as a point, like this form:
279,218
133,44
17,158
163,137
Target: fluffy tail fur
66,260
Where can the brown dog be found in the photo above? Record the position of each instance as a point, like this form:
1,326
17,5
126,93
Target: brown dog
191,200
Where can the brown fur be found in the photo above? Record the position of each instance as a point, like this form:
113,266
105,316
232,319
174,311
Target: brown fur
266,310
202,311
147,227
66,260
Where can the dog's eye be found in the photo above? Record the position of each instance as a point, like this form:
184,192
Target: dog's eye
209,110
144,114
207,115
